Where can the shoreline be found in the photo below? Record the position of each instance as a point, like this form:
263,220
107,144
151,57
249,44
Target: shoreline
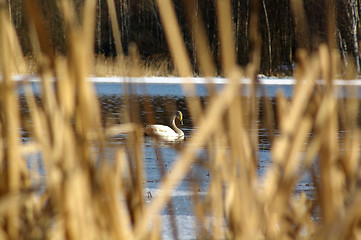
263,80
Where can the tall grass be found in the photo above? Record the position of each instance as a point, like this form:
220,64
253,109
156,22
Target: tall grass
86,197
124,66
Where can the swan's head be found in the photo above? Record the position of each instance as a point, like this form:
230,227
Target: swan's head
179,115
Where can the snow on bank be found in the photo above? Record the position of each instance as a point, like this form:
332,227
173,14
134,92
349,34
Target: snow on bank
196,80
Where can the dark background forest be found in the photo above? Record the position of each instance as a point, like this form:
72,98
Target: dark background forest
139,22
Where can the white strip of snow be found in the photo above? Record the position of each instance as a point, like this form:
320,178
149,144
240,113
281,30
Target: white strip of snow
263,80
194,80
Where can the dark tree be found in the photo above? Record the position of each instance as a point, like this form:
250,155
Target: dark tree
139,22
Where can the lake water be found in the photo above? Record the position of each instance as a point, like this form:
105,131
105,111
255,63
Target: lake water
165,99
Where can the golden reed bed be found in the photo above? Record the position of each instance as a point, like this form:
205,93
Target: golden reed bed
82,198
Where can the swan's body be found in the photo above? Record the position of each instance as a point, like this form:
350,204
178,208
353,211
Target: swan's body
167,133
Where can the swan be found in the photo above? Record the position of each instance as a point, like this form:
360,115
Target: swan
166,133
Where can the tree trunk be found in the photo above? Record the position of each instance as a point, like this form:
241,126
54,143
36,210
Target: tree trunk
268,36
98,35
343,47
355,19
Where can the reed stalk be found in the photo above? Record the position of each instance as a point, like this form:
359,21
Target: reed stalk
85,195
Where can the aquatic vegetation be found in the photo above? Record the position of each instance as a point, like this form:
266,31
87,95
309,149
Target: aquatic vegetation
85,196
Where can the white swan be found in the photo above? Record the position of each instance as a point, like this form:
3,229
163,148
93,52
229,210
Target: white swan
166,133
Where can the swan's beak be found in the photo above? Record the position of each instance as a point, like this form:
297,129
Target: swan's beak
181,119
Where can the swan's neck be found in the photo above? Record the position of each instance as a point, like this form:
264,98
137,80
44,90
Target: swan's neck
176,129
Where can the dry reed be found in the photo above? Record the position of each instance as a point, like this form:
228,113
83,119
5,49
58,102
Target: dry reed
85,198
121,66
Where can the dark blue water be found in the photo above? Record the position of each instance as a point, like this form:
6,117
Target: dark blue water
177,90
162,100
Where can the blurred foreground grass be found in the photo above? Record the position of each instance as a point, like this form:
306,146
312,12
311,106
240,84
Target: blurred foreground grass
85,198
